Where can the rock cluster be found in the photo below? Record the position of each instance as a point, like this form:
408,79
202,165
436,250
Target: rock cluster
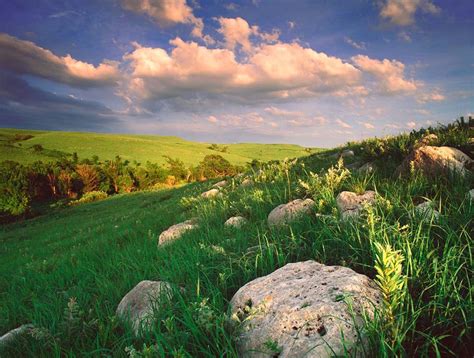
176,231
301,308
350,204
286,213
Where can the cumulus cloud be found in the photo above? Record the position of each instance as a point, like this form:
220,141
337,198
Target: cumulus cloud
168,13
237,31
402,12
26,58
389,73
281,70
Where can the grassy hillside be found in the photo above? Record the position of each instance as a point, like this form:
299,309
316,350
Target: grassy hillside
66,272
141,148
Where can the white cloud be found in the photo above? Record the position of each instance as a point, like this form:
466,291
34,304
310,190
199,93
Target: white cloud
411,124
25,57
282,70
237,31
212,119
291,24
389,73
402,12
168,13
358,45
404,36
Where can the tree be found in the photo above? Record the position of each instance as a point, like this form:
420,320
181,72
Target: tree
214,166
176,167
14,194
88,175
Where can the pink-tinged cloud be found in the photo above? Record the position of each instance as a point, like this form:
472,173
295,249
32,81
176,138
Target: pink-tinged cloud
237,31
367,125
282,70
282,112
389,74
343,124
411,124
402,12
434,96
168,13
26,58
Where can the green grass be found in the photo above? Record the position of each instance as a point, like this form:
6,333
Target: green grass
95,253
141,148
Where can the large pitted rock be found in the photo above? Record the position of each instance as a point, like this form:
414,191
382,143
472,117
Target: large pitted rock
303,309
139,305
211,193
433,161
235,222
176,231
350,204
286,213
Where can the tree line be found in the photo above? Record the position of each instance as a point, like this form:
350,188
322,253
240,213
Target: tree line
23,186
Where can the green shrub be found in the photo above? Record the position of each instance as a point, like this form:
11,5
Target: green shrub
90,197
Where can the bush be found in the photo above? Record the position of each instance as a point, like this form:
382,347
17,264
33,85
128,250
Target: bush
14,196
215,166
90,197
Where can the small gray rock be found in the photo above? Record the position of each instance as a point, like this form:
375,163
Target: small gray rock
347,153
176,231
426,211
138,306
220,184
300,308
367,168
211,193
286,213
235,222
350,204
10,337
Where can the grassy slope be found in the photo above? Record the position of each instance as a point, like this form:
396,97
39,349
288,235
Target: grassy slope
98,252
136,147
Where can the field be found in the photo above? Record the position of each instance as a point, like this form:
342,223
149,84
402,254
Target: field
141,148
66,271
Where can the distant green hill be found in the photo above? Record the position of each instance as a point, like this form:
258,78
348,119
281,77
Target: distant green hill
142,148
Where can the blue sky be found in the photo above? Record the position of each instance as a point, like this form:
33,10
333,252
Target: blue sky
315,73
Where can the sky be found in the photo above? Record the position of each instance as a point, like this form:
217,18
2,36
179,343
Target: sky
309,72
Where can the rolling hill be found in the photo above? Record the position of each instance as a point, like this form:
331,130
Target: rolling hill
141,148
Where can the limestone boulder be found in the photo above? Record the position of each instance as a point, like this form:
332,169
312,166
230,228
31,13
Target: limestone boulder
347,153
427,211
10,337
176,231
350,204
246,183
138,306
434,161
286,213
211,193
302,309
220,184
367,168
235,222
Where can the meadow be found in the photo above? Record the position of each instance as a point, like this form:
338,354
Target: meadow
66,271
140,148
